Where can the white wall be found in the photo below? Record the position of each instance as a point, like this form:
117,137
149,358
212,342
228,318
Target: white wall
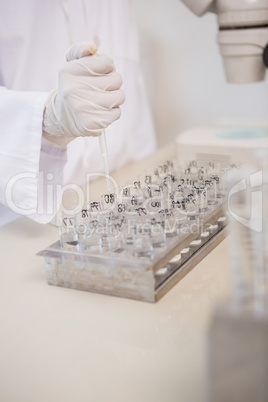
184,73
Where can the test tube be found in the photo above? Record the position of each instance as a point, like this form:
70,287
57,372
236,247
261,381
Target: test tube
112,242
171,226
212,191
86,227
142,246
90,242
68,234
200,194
158,236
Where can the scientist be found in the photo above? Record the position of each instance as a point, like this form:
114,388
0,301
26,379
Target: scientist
54,103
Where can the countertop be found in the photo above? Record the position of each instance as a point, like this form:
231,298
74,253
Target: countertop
59,344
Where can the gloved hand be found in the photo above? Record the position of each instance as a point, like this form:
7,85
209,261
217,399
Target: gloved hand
87,99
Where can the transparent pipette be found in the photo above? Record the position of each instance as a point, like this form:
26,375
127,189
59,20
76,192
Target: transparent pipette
104,154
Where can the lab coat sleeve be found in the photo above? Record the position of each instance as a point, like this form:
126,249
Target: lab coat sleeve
30,167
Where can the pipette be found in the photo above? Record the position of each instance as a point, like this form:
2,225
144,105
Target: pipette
104,154
102,138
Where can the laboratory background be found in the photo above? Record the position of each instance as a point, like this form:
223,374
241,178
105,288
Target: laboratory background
184,72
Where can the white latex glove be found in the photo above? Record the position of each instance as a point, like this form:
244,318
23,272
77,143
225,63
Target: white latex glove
87,99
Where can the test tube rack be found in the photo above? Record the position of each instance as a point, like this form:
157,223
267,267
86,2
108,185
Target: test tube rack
199,227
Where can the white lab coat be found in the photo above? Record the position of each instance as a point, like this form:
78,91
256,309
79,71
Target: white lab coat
34,35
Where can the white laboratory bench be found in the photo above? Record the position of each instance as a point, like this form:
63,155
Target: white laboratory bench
59,344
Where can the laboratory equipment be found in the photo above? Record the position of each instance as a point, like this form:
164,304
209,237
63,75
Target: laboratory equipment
225,142
140,240
242,36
